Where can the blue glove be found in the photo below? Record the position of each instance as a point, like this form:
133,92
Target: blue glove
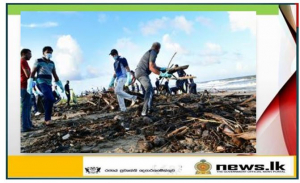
112,81
59,84
128,81
165,75
29,85
163,69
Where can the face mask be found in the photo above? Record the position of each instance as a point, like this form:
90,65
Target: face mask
48,55
115,57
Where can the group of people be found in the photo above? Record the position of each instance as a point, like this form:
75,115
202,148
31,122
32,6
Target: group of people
124,77
39,81
185,86
36,83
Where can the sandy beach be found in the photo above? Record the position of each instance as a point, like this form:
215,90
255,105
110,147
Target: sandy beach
184,123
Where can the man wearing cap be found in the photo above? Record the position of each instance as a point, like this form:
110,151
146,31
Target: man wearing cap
142,72
123,76
45,68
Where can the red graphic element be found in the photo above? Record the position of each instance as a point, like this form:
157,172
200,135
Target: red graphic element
288,113
284,103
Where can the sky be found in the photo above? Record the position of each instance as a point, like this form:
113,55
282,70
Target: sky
215,45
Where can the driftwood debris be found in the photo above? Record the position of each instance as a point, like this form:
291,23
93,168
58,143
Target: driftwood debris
187,123
182,78
175,69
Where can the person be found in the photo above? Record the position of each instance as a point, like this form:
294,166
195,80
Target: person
56,95
144,68
25,97
45,68
193,87
181,83
186,84
179,86
174,90
167,87
123,76
191,79
157,85
67,91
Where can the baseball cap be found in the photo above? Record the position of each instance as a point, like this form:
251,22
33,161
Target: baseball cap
113,52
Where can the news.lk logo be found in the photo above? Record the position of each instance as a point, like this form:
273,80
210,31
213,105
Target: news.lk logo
274,167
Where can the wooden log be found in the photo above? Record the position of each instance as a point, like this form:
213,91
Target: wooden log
203,120
109,104
182,78
179,132
251,135
92,103
251,127
175,69
249,99
218,118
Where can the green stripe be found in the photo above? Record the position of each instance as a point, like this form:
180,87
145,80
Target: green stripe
16,9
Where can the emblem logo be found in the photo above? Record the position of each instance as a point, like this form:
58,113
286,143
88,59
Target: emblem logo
203,167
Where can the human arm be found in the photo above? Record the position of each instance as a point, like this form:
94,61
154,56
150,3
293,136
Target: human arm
30,80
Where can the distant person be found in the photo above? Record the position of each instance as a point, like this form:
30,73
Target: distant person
186,82
167,89
193,87
144,68
44,68
25,96
123,76
174,90
157,85
181,83
67,91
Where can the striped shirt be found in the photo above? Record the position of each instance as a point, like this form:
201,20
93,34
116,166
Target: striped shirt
44,71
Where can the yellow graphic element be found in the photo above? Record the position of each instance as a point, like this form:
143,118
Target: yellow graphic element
203,167
45,166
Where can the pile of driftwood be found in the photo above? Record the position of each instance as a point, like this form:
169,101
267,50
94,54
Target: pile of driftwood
186,123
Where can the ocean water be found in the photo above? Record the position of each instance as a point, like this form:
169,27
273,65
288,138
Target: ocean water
245,83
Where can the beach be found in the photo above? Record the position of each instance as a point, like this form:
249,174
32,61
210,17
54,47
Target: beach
223,122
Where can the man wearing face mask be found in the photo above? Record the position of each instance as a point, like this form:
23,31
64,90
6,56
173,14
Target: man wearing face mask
45,68
123,76
144,69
